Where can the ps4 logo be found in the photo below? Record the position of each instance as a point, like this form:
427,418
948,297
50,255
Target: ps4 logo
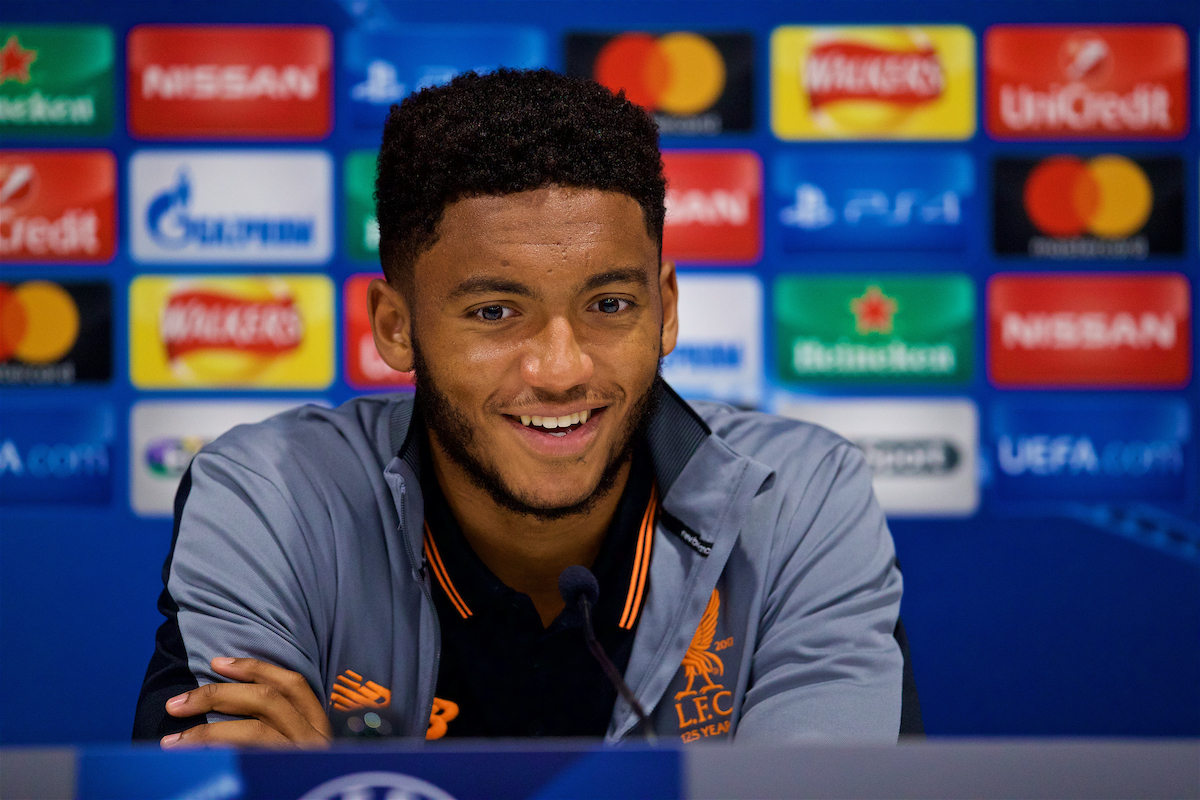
811,209
383,86
171,224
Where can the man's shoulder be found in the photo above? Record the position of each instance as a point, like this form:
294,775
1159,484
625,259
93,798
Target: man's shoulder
781,443
314,437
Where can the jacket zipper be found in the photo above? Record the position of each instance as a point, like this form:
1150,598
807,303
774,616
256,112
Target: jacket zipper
437,626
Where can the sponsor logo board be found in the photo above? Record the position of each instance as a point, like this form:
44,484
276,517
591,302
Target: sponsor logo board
1100,449
360,227
365,369
55,334
714,206
382,68
57,206
1089,330
869,201
873,82
1093,82
693,84
1106,206
874,329
718,354
224,331
231,206
56,455
56,79
922,453
230,81
164,435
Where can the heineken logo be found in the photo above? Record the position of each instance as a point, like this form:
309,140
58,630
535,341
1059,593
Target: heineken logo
907,328
56,78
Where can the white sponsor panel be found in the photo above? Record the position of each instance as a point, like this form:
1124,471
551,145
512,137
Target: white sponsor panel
231,206
164,435
923,452
719,351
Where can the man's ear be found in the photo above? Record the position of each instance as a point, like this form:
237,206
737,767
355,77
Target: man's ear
668,289
391,324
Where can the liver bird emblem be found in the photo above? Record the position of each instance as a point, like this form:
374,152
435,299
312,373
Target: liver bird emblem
698,661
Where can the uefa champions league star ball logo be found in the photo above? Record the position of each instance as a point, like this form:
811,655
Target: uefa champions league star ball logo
376,786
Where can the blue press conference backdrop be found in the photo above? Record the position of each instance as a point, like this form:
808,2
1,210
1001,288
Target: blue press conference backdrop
962,234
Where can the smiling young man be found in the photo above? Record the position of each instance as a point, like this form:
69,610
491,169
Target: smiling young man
391,566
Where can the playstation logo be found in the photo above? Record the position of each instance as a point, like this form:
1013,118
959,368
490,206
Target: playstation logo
381,85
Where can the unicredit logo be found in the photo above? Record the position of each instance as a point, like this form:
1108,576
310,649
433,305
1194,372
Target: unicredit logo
205,320
171,224
848,70
57,206
1087,82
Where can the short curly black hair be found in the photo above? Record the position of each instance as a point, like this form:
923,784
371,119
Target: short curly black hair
504,132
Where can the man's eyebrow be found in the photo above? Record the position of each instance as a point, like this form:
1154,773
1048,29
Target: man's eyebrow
627,275
484,284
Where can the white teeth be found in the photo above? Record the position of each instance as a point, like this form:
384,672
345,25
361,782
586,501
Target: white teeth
575,418
536,421
549,423
583,415
526,420
564,421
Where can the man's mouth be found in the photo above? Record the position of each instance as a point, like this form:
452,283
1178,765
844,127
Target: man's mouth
561,425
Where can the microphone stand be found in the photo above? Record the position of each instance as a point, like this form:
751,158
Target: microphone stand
610,669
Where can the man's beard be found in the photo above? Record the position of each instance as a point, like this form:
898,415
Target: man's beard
455,434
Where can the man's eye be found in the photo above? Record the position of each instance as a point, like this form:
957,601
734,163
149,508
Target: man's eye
610,305
494,313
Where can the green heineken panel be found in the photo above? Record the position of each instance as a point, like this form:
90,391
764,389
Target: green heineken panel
874,328
56,79
361,227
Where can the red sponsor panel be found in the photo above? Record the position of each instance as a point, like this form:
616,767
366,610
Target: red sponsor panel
714,206
365,369
58,206
1089,330
230,81
1093,82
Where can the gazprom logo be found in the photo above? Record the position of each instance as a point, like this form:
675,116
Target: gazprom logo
708,355
172,224
231,206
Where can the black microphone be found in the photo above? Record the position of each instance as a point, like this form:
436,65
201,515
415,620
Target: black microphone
580,589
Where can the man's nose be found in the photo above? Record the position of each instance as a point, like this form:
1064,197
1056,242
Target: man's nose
555,361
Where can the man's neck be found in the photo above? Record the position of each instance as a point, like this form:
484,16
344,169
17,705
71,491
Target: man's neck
526,553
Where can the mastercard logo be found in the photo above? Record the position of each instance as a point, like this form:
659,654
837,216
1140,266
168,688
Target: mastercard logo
39,322
1108,196
679,73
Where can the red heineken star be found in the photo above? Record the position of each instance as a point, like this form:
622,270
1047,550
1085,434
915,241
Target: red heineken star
873,311
15,61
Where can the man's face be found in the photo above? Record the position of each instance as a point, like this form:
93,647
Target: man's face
547,307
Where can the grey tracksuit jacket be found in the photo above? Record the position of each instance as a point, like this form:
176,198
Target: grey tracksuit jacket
772,595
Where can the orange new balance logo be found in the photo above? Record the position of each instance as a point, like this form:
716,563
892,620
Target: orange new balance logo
349,693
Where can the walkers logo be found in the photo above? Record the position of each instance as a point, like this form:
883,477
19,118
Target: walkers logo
1098,82
714,206
1089,330
862,82
1100,449
56,79
704,708
165,435
883,329
365,368
60,455
922,453
231,206
1105,207
383,67
718,354
693,84
230,81
875,201
223,331
57,206
361,229
55,334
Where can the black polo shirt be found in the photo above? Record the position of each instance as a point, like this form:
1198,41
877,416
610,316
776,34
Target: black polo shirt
501,670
